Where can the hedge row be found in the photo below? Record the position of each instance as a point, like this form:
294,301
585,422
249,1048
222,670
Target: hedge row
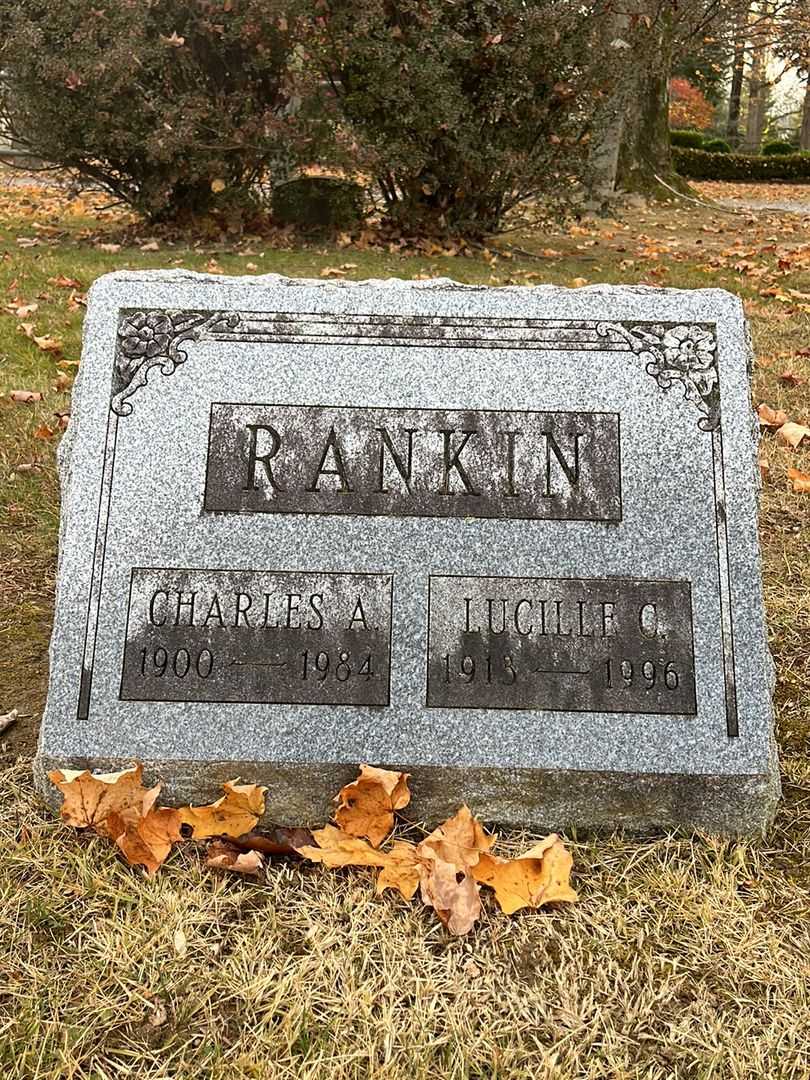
701,165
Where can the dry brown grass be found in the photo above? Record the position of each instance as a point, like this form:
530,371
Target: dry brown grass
687,958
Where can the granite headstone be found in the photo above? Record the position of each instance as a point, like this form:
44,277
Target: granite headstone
503,538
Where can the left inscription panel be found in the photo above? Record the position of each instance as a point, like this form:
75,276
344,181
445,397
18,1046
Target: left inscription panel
276,637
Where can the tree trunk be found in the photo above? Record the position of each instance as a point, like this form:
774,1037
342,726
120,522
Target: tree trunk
757,92
645,157
608,119
737,73
804,134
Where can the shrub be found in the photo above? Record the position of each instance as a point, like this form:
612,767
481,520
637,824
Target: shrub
460,110
700,165
319,202
778,146
693,139
716,146
176,106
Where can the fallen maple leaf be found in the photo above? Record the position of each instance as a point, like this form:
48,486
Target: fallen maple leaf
366,806
459,840
235,813
64,282
452,893
772,418
90,799
333,271
146,841
539,876
44,432
225,856
792,434
337,848
401,870
25,397
48,344
800,481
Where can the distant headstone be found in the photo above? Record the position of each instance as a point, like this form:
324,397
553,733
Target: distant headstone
503,538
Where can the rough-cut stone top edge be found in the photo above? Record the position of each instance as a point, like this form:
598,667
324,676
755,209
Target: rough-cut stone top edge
712,296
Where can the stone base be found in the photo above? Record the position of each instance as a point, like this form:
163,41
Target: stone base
542,800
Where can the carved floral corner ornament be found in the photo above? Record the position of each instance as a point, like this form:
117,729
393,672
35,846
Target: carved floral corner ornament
148,339
685,354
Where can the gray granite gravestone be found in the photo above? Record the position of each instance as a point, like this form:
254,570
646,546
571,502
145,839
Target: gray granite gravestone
503,538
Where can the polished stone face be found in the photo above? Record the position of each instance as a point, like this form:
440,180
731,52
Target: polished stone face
505,538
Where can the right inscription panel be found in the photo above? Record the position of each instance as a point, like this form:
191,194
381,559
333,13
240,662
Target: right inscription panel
561,644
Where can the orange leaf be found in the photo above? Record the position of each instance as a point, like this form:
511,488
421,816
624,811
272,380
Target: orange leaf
225,856
337,848
48,344
64,282
769,417
147,840
452,893
232,815
460,840
44,432
90,800
792,434
540,876
800,481
366,806
401,870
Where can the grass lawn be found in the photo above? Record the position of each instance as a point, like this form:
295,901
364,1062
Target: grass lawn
687,957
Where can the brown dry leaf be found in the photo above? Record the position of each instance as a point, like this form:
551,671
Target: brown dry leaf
333,271
234,814
225,856
217,186
578,282
460,840
64,282
109,249
792,434
366,806
22,311
452,892
25,397
800,482
401,870
790,378
48,344
283,840
146,841
90,800
63,382
337,848
44,432
539,876
150,245
772,418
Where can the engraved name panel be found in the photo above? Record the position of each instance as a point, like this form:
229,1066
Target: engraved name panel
578,645
303,459
281,637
